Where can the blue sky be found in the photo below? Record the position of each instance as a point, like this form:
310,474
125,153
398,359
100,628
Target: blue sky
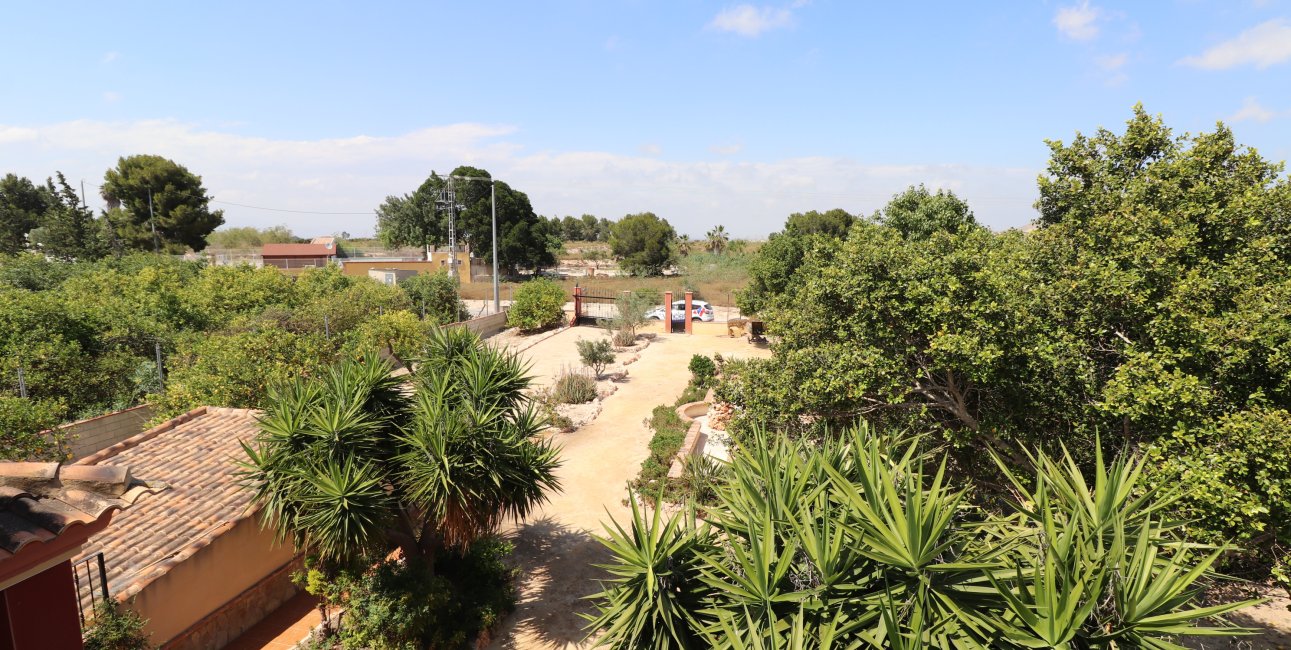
704,113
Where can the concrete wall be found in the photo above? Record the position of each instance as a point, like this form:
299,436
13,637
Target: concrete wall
211,578
485,326
89,436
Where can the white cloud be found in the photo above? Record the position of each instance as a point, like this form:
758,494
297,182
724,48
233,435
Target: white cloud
1266,44
1078,22
1252,110
354,174
650,149
726,149
111,96
750,21
110,57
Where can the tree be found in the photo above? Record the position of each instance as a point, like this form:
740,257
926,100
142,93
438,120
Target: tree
643,243
413,219
67,230
538,303
22,204
180,208
834,223
1151,306
348,466
917,213
250,237
684,245
591,228
524,238
716,240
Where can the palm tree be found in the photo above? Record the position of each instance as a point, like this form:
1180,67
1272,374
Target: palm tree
350,465
717,238
684,244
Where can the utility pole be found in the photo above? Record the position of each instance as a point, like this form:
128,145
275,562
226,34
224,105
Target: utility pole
493,203
161,374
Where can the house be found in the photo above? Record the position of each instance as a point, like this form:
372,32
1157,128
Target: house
293,258
47,512
195,560
389,276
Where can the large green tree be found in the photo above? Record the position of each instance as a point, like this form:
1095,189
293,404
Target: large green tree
1151,307
525,240
643,243
68,230
917,213
22,204
181,214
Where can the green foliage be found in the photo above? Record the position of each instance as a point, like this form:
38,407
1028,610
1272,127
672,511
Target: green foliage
537,304
437,294
24,422
643,243
347,465
525,240
398,605
669,433
250,237
630,314
1152,305
400,331
917,213
702,370
596,354
180,206
833,223
573,388
115,627
863,542
68,230
22,203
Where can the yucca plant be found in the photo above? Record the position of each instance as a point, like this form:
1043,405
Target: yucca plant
862,543
356,462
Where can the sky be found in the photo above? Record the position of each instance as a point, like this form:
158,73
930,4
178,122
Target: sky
705,113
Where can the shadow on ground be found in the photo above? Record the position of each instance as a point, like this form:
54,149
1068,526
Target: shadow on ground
550,614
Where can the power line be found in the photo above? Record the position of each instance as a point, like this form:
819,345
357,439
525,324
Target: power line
257,207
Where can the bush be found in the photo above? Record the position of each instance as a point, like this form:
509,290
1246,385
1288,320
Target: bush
624,338
23,423
702,370
573,388
596,354
537,304
437,296
669,434
116,628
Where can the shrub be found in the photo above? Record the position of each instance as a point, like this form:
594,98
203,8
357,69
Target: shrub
573,387
436,296
537,304
624,338
669,434
23,423
116,628
702,370
596,354
631,310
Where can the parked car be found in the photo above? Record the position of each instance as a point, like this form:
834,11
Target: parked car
699,310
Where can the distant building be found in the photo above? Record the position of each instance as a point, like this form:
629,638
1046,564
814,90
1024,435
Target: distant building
297,257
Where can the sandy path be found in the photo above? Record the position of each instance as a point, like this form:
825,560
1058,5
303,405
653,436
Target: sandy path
555,547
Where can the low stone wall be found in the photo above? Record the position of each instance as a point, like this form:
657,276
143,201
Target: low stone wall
485,326
693,444
246,609
94,434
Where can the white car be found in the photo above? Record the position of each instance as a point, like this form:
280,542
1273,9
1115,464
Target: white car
699,310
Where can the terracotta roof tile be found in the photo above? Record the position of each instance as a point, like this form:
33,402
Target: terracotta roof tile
38,501
195,455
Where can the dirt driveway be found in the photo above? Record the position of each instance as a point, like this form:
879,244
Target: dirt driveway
554,547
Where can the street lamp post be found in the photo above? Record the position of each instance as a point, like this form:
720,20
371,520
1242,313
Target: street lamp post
493,203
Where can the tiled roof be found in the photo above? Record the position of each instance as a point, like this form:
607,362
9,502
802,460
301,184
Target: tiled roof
297,250
195,454
39,501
